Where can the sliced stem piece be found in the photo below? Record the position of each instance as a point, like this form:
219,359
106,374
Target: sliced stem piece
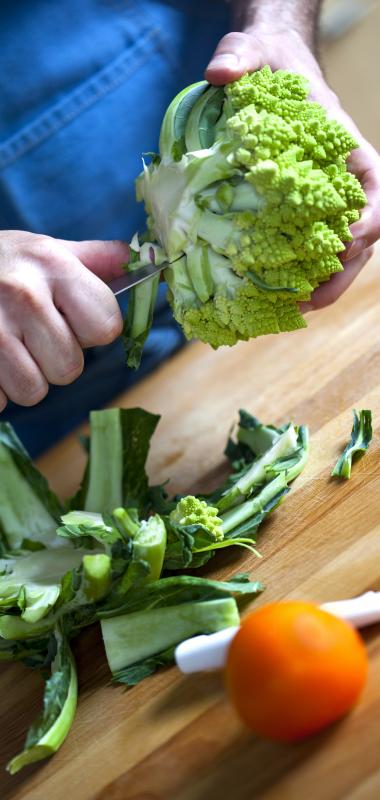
132,637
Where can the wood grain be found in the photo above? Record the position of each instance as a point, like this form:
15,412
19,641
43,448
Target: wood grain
176,737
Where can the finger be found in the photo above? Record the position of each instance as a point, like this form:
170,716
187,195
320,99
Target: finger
3,400
235,54
364,162
87,304
52,345
367,230
21,379
104,259
328,292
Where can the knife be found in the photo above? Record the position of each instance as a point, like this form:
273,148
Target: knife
134,277
210,651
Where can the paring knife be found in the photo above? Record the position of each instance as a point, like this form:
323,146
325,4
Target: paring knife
134,277
210,651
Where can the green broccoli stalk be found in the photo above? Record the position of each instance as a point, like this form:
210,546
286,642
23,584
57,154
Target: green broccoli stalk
142,300
143,633
96,576
105,491
261,470
118,448
60,699
249,510
143,545
274,457
250,203
148,553
361,436
140,635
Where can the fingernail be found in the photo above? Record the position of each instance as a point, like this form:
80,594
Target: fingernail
354,249
224,61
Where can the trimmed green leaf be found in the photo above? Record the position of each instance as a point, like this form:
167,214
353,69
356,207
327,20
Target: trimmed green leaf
361,436
28,508
137,672
181,589
119,446
138,427
38,575
60,698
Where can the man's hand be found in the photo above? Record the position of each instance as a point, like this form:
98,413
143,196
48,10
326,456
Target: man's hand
53,303
238,53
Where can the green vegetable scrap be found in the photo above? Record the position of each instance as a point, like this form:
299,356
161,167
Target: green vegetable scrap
264,460
118,449
150,624
111,552
250,202
192,511
29,511
60,700
31,583
361,436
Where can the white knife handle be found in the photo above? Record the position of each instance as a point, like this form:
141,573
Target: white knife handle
359,611
204,652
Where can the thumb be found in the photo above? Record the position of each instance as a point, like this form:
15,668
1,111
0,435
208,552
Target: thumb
233,57
104,259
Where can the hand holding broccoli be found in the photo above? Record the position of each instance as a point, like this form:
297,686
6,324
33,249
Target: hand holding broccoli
238,53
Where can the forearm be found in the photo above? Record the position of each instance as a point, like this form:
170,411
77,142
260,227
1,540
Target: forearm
279,16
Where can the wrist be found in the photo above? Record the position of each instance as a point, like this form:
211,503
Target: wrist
291,18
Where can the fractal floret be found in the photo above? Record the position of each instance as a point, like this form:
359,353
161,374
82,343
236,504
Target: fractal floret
191,510
250,202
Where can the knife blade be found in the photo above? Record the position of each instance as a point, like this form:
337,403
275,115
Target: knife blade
134,277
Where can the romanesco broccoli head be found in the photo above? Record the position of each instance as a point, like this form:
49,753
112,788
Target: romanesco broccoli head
251,201
192,511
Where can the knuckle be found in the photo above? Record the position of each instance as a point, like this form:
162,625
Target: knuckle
68,371
48,255
110,329
44,249
32,392
27,296
4,341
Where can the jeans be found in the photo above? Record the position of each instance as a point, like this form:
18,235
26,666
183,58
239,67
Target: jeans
83,88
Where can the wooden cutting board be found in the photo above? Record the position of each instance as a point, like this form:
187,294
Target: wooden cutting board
177,737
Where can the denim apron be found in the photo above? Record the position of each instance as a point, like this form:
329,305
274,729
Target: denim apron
83,87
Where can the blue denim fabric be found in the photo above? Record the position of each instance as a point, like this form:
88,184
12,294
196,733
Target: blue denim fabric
83,87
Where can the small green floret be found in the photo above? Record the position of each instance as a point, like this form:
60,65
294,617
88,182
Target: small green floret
192,511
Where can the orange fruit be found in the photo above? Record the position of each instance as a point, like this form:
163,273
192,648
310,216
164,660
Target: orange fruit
293,668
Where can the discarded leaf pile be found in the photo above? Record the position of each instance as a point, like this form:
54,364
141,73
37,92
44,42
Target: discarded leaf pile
112,553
